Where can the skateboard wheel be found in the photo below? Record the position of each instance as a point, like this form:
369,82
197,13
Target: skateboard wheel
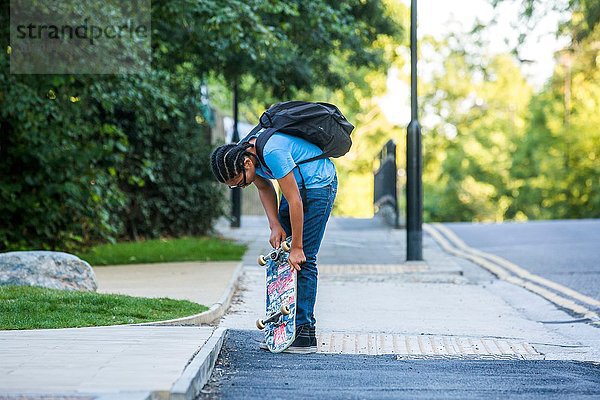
262,261
285,309
260,324
286,246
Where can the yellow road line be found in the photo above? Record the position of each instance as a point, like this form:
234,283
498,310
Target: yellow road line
516,269
502,269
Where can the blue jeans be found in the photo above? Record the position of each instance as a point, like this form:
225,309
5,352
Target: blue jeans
318,208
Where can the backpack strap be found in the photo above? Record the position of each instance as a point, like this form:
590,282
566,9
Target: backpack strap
261,141
319,157
252,133
259,146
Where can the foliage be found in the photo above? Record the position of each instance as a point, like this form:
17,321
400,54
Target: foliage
556,168
165,174
582,16
282,46
358,95
91,158
362,101
496,152
25,307
481,104
55,187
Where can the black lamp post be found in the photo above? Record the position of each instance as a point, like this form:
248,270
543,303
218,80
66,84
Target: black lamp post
414,160
236,193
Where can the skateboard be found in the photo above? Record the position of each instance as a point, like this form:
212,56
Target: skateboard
279,325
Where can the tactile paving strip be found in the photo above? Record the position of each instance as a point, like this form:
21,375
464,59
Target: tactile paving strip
357,269
426,346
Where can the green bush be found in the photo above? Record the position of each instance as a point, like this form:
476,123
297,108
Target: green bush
92,158
55,187
165,175
87,160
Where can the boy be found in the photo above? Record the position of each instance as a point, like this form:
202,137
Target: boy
301,215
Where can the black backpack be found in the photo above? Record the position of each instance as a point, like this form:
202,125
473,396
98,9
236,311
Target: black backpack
319,123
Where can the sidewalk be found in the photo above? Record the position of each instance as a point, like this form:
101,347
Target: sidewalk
127,362
199,282
124,362
370,301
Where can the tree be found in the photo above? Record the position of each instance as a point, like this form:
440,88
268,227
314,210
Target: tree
555,169
556,166
581,16
285,46
479,104
88,158
351,73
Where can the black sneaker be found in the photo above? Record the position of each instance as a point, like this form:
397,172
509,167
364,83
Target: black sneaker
313,337
302,343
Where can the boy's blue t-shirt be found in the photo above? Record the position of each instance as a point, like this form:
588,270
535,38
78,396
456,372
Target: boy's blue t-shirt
282,152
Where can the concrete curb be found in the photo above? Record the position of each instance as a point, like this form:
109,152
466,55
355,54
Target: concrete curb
198,372
215,312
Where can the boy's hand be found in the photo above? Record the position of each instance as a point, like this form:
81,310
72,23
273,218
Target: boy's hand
277,236
296,258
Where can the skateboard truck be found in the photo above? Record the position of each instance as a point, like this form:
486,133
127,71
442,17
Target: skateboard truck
284,310
274,254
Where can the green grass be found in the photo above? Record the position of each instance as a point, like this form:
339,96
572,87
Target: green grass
25,307
164,250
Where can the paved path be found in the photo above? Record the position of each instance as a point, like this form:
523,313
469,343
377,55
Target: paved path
245,372
131,361
566,252
119,362
369,302
199,282
444,296
443,310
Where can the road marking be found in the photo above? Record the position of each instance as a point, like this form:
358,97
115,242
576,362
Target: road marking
506,270
523,273
426,346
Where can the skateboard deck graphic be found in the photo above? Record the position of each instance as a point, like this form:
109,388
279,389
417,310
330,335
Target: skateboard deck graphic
279,323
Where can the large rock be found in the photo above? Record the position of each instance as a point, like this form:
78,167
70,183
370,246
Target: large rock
49,269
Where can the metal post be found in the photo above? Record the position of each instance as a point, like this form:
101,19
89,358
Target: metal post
236,193
414,162
391,153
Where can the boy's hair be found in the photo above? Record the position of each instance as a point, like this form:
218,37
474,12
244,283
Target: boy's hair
227,161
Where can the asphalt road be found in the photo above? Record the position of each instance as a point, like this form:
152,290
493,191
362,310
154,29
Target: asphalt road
565,251
243,371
